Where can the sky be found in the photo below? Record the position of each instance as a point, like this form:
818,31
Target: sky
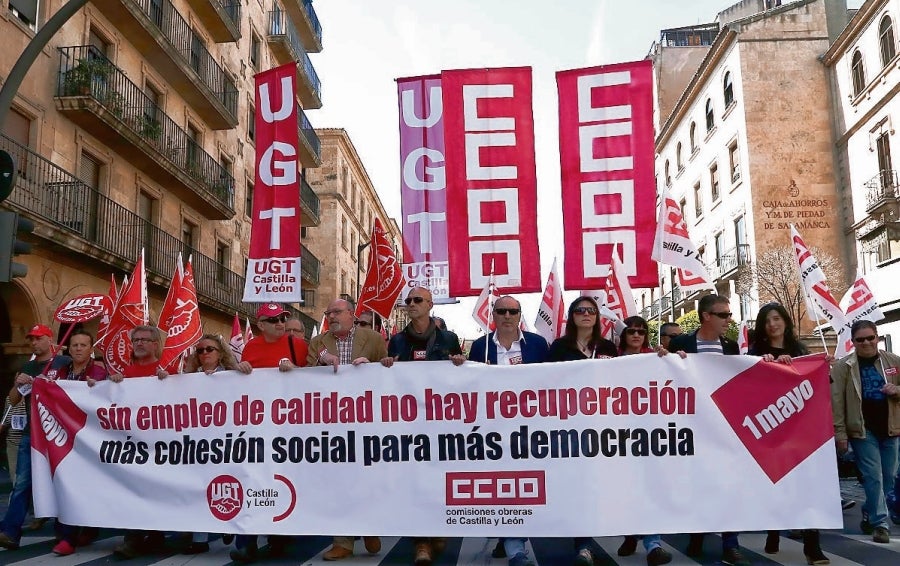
368,44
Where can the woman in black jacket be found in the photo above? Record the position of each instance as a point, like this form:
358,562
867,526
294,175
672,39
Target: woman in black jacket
582,339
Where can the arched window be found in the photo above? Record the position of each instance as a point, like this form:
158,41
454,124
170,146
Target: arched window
678,160
693,136
886,40
857,73
668,174
710,118
728,89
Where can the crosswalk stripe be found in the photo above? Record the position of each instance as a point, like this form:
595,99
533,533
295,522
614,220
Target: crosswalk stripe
610,546
867,539
790,551
97,550
217,556
360,556
475,551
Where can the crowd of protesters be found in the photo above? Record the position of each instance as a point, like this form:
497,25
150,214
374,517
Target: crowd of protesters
865,401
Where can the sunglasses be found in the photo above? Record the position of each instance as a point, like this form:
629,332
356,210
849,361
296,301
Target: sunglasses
633,331
669,335
207,350
863,339
417,300
722,315
363,323
584,310
276,319
502,312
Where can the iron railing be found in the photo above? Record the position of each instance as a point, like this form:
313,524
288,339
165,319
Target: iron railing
309,265
881,187
729,261
310,199
280,25
313,19
84,71
232,9
115,235
309,133
182,38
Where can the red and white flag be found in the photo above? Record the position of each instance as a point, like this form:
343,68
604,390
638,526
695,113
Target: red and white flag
491,180
273,265
820,304
248,332
423,186
484,306
130,311
611,323
551,317
606,159
620,299
858,303
384,278
673,246
743,338
180,317
237,338
109,306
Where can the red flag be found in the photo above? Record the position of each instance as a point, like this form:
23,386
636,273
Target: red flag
103,328
248,332
130,311
743,337
182,322
485,304
384,278
237,338
551,318
619,297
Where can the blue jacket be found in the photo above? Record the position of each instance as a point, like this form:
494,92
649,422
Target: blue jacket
534,348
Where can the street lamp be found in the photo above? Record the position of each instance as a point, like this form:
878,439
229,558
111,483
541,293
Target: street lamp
359,251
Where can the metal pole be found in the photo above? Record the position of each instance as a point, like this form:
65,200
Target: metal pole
34,47
359,250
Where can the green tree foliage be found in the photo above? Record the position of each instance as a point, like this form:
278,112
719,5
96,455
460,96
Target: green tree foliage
691,322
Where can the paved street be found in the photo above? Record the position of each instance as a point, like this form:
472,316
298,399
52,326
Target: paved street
849,547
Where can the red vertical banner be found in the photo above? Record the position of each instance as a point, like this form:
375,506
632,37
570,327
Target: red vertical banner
273,267
606,164
491,180
423,185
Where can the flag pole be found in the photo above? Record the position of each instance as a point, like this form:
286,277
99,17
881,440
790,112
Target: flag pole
809,303
490,314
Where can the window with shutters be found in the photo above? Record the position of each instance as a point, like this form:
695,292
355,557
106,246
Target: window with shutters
223,259
254,50
99,42
189,233
251,123
886,40
857,73
25,11
148,210
18,128
248,200
193,147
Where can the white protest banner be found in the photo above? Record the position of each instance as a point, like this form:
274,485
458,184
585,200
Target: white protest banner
438,450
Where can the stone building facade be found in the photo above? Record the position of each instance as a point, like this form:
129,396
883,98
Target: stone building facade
134,129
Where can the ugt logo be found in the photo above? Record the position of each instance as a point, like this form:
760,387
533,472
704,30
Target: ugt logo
225,497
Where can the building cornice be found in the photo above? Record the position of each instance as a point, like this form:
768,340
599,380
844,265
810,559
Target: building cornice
857,24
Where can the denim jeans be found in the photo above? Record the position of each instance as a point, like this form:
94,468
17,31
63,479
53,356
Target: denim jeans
514,546
20,498
877,462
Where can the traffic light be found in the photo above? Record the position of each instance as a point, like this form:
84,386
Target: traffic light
7,174
11,224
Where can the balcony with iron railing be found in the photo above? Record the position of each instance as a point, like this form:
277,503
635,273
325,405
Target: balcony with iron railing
725,266
310,146
81,221
166,41
221,18
881,191
310,206
307,23
97,95
309,266
286,46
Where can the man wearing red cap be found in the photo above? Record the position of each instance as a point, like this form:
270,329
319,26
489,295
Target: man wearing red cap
46,363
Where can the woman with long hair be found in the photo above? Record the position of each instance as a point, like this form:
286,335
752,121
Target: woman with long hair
775,341
635,337
582,339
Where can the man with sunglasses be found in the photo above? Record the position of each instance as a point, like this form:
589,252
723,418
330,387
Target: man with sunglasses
865,401
715,316
509,345
274,347
422,340
667,331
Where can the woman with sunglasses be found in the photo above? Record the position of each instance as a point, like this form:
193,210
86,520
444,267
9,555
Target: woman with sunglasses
775,341
582,339
635,337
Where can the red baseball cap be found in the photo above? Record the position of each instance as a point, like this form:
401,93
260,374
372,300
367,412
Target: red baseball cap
270,310
40,330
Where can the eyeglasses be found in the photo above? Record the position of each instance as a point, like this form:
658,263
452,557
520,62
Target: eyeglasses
416,300
503,312
669,335
363,323
335,311
207,350
139,340
863,339
276,319
633,331
722,315
584,310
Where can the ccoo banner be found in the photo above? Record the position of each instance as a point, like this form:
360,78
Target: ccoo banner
476,451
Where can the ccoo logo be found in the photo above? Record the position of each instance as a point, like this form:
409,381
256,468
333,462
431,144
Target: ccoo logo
225,497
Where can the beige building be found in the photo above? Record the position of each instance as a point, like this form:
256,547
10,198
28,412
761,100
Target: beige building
349,206
134,129
746,148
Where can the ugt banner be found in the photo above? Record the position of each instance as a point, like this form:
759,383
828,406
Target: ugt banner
606,165
491,180
273,266
473,450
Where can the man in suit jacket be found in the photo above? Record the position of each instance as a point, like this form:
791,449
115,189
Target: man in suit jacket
715,316
346,343
509,345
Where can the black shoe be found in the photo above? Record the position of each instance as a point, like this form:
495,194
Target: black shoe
695,545
196,548
499,550
155,542
227,539
658,556
244,555
629,545
584,558
8,543
816,556
126,551
866,527
772,540
733,557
